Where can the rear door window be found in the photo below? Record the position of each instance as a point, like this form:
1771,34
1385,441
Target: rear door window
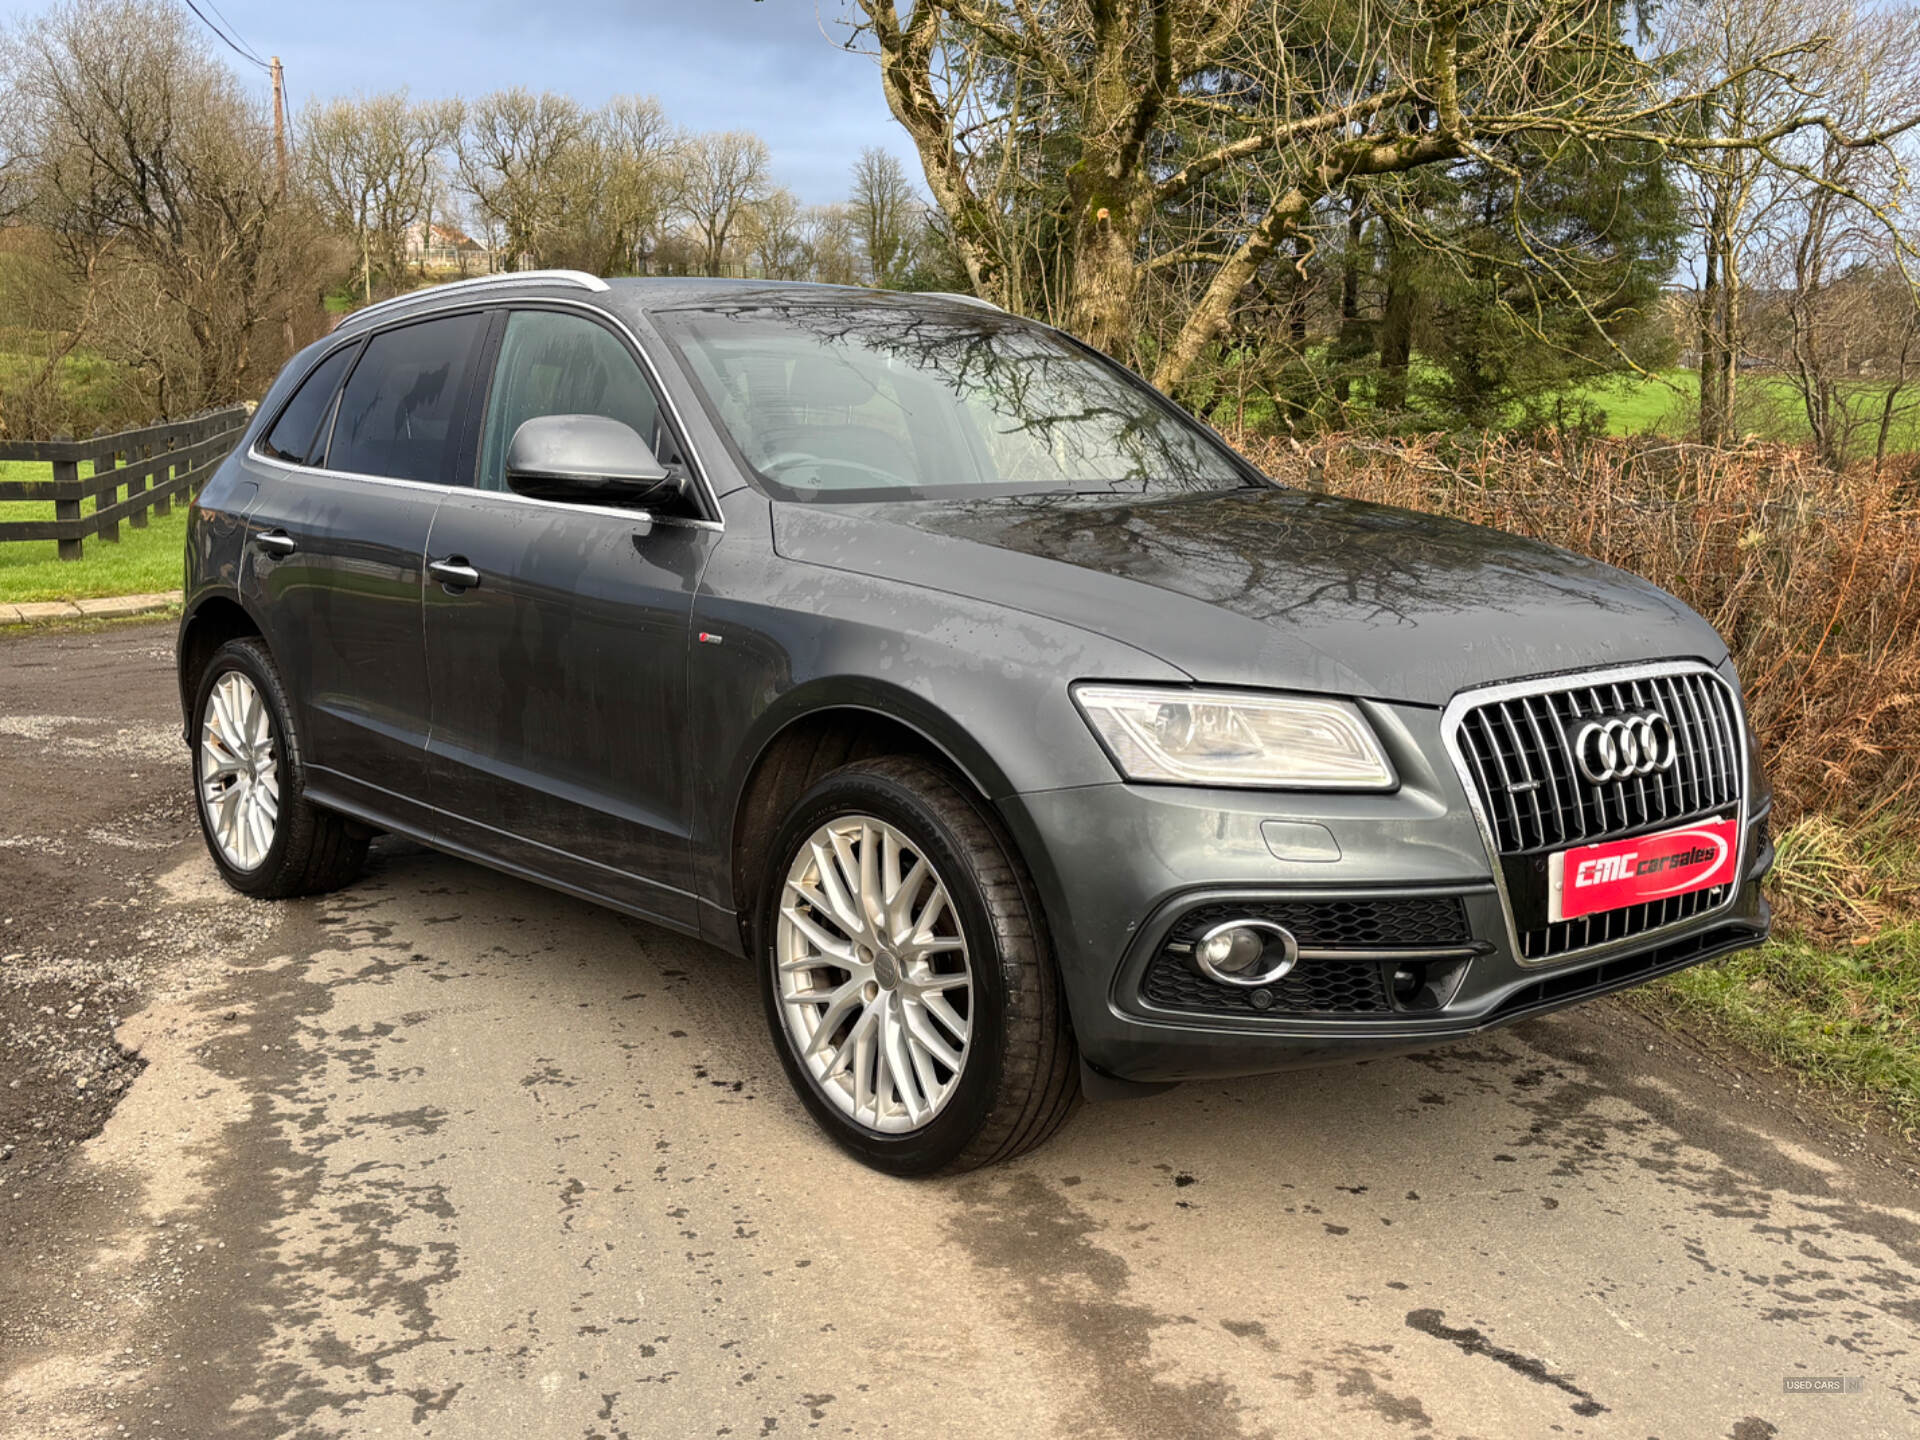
401,411
299,435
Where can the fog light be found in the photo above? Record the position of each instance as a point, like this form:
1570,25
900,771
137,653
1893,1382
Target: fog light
1236,950
1246,952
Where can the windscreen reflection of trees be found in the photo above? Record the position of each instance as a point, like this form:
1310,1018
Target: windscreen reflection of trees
1044,414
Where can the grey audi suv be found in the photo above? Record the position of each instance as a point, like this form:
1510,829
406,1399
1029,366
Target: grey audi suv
1027,741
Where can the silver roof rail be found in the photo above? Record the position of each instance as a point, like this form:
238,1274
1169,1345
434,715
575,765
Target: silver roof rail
577,278
963,299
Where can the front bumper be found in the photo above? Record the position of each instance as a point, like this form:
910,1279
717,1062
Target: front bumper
1119,866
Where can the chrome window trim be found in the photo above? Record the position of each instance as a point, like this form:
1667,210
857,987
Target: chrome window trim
1454,716
710,498
612,512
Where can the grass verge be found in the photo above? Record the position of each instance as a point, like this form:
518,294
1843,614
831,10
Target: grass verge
141,562
1836,996
1848,1017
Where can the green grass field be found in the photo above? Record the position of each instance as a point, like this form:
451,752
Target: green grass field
1667,403
94,390
1659,403
142,562
1637,405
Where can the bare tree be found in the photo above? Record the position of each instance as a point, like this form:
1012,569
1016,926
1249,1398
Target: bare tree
603,197
515,152
1721,61
885,215
1837,248
437,211
643,177
373,166
1195,140
726,172
832,249
140,157
775,231
13,128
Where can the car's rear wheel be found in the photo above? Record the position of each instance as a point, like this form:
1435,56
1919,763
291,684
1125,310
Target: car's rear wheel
249,785
908,982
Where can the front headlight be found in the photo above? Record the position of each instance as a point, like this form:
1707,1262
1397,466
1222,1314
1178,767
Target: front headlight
1226,737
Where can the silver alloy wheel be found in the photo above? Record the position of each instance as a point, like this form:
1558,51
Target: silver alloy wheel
873,976
239,771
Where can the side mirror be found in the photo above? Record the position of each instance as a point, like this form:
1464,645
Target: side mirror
586,458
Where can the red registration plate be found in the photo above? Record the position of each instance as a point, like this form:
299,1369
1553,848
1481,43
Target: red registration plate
1647,867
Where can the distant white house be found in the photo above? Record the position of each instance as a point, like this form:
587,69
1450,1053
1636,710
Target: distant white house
442,247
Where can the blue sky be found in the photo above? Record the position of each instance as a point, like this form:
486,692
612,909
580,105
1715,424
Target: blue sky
714,64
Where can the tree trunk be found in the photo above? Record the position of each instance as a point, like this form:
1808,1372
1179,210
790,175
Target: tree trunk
1732,322
426,236
906,54
1110,193
1712,403
1100,308
1396,322
1354,339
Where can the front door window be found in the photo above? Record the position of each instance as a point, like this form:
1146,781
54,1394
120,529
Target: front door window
552,363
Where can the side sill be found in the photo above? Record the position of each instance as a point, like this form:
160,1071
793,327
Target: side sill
385,820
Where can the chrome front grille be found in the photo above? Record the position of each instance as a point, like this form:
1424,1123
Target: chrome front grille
1520,753
1515,748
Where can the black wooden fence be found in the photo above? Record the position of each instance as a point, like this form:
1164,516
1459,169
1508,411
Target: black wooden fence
153,465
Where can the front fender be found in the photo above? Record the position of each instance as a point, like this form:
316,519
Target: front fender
778,640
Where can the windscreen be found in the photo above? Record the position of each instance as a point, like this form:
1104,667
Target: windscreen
875,401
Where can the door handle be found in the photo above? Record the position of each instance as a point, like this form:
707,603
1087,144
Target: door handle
454,572
275,543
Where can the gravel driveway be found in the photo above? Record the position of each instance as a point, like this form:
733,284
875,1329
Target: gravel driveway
448,1155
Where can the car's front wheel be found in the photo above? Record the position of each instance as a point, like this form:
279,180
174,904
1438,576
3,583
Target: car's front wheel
248,782
908,982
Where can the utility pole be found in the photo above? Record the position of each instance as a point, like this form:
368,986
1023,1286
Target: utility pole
280,125
280,164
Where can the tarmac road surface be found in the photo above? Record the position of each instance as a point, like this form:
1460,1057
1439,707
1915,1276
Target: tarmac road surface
448,1155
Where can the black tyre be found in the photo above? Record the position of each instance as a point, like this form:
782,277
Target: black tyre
248,785
908,981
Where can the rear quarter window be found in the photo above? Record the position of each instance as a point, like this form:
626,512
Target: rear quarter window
299,436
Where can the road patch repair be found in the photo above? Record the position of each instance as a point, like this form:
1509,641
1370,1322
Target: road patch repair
443,1154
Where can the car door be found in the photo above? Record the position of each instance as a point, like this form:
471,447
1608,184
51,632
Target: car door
557,642
337,545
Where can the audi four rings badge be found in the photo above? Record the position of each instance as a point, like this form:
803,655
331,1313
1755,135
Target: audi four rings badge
1624,746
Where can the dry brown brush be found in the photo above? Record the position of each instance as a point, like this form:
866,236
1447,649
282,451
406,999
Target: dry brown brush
1813,577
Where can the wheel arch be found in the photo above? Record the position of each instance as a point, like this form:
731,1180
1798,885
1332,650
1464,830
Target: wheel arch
203,630
819,729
